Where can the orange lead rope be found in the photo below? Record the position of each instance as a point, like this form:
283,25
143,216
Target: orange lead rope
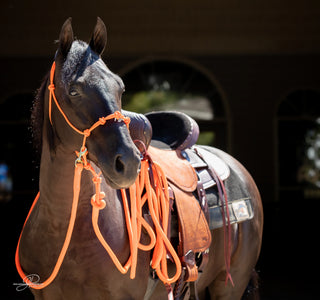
142,191
76,190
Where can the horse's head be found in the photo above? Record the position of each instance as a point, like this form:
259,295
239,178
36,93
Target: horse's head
86,91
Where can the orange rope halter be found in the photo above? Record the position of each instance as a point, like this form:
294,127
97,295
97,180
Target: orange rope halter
142,191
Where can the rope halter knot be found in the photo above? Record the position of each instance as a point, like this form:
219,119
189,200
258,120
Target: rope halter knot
51,87
118,116
102,121
98,202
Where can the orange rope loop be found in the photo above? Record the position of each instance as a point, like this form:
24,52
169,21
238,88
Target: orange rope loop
151,189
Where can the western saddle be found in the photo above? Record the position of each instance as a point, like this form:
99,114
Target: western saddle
170,138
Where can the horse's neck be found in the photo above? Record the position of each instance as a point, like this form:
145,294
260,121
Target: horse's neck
56,183
47,225
48,222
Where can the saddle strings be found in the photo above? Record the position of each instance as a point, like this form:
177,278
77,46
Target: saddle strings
154,192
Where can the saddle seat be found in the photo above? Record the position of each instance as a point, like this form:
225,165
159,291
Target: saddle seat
168,130
173,130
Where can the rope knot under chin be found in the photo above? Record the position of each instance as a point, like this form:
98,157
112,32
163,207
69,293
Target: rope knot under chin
98,202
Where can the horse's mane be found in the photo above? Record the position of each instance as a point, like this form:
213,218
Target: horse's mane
37,114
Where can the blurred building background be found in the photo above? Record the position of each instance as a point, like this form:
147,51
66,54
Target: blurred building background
247,71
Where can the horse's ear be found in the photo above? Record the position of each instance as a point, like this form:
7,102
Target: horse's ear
99,37
66,37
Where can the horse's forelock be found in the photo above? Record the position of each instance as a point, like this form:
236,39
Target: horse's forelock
79,57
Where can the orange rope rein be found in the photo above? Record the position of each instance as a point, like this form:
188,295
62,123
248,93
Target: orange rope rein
154,192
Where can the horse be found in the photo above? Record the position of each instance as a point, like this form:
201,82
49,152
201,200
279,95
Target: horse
87,90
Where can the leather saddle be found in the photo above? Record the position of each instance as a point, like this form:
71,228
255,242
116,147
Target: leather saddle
167,135
170,138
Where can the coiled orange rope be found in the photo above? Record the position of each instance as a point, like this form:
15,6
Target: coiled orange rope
155,194
158,201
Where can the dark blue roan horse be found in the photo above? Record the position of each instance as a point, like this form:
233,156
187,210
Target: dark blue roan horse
87,90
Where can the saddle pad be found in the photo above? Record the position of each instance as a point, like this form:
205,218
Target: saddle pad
240,210
195,232
203,162
177,169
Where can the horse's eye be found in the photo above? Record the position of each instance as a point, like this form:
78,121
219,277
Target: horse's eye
73,92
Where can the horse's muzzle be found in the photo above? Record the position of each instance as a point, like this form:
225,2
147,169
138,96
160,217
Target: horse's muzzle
125,170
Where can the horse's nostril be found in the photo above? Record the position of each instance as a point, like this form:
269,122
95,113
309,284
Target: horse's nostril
119,165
